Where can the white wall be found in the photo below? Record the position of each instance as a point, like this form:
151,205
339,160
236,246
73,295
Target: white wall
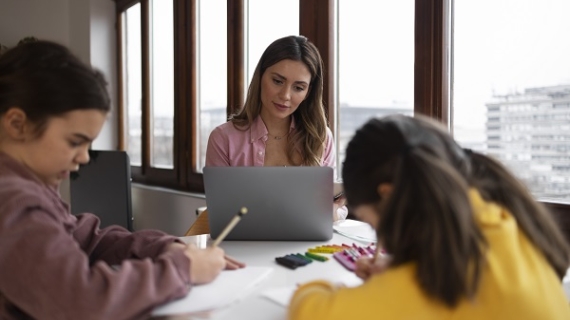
102,52
167,210
87,27
42,19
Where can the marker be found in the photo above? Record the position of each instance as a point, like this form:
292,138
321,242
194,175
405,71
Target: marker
301,262
322,250
303,257
316,256
287,263
230,226
352,252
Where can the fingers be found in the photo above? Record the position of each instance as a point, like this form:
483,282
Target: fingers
205,264
232,264
382,263
363,268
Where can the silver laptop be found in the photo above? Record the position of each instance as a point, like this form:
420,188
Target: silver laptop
283,203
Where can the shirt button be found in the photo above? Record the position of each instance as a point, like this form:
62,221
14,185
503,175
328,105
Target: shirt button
252,140
260,153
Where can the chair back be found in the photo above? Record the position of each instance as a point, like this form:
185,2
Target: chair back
103,187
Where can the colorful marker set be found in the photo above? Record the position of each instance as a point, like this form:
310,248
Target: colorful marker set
292,261
345,254
348,256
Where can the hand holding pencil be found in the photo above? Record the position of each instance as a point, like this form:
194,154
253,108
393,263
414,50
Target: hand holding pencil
231,263
206,264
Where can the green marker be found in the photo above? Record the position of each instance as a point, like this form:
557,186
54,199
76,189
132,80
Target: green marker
303,257
316,256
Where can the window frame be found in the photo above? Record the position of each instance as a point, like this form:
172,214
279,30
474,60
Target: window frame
432,88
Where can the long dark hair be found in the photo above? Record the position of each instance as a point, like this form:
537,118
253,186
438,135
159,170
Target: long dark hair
45,79
310,119
428,219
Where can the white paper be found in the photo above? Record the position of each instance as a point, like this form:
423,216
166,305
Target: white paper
356,230
280,295
228,287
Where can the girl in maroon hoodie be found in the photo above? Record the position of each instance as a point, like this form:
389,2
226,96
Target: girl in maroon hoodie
54,265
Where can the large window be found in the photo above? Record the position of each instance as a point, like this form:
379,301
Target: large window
375,76
511,88
496,72
260,30
132,73
212,71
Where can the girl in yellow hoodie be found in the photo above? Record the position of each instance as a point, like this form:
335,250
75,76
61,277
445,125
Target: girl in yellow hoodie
466,240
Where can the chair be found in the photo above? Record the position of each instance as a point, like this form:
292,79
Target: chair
200,226
103,187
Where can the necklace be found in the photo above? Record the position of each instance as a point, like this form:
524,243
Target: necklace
280,137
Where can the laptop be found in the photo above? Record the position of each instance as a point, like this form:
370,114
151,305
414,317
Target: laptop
103,187
283,203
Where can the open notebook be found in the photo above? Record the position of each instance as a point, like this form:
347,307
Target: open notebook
227,288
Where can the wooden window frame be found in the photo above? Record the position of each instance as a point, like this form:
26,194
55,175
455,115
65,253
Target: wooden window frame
316,22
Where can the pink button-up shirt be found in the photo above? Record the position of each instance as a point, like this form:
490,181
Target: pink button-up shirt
231,147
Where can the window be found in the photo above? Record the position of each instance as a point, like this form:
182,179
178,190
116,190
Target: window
132,73
375,77
213,75
511,75
261,29
441,53
161,78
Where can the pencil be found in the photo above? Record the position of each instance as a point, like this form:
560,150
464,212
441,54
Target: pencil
230,226
376,253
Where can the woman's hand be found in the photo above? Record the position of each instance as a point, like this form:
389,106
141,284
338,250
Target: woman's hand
339,204
366,267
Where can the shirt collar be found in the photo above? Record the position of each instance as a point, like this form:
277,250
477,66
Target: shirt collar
258,130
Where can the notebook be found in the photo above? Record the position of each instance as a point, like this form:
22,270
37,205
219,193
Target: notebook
283,203
227,288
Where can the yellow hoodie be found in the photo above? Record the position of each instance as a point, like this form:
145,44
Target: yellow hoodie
517,283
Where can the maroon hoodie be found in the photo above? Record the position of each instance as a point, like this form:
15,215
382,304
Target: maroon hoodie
54,265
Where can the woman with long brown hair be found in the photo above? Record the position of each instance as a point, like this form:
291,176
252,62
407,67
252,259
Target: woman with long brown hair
283,121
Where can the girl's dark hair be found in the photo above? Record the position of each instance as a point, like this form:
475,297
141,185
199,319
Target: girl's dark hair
45,79
310,118
428,219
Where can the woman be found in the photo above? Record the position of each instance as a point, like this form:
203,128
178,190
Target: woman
283,120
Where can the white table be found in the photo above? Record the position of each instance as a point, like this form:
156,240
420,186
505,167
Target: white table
263,253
